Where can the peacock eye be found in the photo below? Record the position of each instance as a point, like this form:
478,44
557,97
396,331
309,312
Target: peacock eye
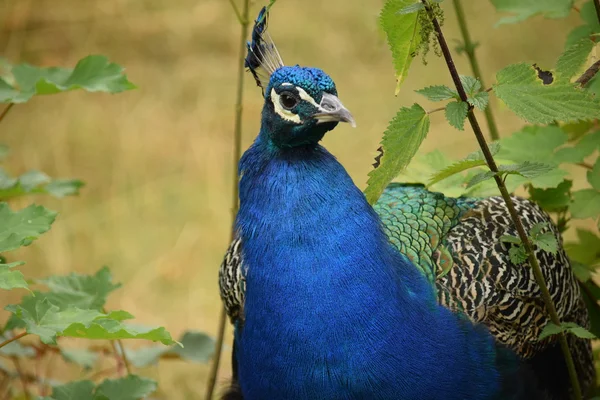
288,101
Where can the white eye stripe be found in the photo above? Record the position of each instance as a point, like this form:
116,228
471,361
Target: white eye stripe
282,112
306,97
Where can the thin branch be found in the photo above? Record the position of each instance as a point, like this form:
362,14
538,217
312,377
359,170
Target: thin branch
6,110
124,356
22,376
585,165
539,277
470,51
589,74
436,110
237,151
597,5
12,339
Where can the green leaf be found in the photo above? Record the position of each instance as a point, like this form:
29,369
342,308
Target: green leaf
470,84
593,176
131,387
536,229
12,279
570,327
585,204
547,242
79,390
517,255
93,74
403,36
526,169
532,143
197,347
22,227
423,166
413,8
81,291
401,140
479,100
510,239
553,199
480,177
524,9
438,93
455,168
110,329
573,59
586,250
82,357
35,182
456,113
519,87
588,13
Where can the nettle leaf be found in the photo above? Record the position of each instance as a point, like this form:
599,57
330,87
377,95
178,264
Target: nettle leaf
423,166
110,329
21,228
400,142
197,347
586,250
593,176
131,387
532,143
572,60
403,36
456,113
519,87
480,100
569,327
510,239
80,390
35,182
585,204
524,9
475,159
93,74
553,199
413,8
470,84
517,255
480,177
81,291
12,279
82,357
546,241
438,93
526,169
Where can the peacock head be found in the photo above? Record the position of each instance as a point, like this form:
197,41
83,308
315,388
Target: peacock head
301,103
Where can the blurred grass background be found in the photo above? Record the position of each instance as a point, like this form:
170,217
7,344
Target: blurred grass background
157,160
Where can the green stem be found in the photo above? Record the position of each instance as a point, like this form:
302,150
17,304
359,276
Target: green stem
124,356
533,262
12,339
237,152
6,110
597,5
470,51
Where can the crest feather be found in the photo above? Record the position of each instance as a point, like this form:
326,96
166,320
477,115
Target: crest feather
263,58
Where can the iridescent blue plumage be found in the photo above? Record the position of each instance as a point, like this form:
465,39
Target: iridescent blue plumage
326,300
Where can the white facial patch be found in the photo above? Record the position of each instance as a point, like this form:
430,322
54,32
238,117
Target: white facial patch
306,97
287,114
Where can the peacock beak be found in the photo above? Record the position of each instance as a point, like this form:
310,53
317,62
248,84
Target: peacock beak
331,109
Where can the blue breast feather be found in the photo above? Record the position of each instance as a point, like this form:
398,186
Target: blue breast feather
332,310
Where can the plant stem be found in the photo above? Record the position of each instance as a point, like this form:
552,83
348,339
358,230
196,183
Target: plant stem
22,376
124,356
436,110
237,12
539,277
6,110
597,5
237,152
585,165
12,339
589,73
470,51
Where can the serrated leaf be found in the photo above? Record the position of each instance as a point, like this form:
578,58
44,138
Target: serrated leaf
12,279
517,255
593,176
22,227
552,199
519,87
582,272
438,93
585,204
82,357
533,143
526,169
35,182
479,100
423,166
79,390
400,142
411,8
455,168
470,84
587,248
588,13
550,329
536,229
547,242
524,9
480,177
81,291
93,74
510,239
109,329
572,60
403,36
456,113
131,387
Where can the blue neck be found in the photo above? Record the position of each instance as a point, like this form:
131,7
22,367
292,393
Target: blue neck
332,311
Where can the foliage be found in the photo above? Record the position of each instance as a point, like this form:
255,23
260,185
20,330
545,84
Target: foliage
72,305
561,133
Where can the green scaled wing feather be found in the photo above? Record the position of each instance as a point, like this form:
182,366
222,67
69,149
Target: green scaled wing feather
417,220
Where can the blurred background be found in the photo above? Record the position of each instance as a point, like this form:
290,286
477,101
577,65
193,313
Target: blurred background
157,160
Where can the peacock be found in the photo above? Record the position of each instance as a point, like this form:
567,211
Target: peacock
413,298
